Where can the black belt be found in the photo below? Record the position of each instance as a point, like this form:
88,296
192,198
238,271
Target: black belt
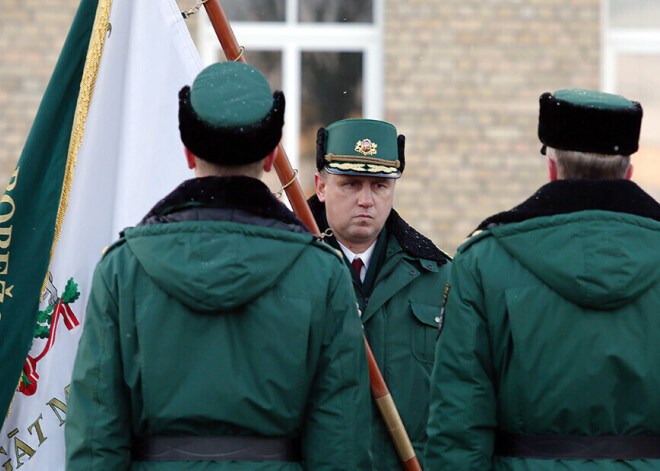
225,448
585,447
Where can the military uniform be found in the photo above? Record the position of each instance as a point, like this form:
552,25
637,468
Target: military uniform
401,295
220,334
545,359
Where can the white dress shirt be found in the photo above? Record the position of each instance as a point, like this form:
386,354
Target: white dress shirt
364,256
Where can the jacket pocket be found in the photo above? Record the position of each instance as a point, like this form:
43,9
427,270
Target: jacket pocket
424,331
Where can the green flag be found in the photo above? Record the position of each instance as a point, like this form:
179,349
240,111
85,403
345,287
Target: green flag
29,206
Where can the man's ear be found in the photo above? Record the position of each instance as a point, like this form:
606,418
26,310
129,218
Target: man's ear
552,169
190,157
629,172
320,185
269,161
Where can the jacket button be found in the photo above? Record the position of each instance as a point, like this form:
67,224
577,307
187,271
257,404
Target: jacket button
412,272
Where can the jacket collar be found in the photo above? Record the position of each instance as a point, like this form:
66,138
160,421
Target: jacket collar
411,241
238,192
569,196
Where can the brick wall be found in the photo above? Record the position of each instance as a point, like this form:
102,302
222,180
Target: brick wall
32,33
463,81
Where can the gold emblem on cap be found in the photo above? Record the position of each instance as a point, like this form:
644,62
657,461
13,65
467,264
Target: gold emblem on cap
366,147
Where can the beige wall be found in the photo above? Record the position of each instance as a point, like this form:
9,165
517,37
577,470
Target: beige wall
32,33
462,83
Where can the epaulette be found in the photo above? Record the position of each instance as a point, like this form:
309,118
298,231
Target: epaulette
112,246
473,238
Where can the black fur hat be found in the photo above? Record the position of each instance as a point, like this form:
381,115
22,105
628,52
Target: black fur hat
224,127
589,121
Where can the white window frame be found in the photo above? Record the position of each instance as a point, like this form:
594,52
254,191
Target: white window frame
292,38
617,41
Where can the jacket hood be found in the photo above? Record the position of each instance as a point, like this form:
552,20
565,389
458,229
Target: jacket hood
591,241
215,244
215,265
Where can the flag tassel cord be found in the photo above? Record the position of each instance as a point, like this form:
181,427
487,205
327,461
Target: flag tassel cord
280,192
194,10
191,11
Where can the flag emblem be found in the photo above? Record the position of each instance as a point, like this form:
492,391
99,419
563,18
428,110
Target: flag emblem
46,328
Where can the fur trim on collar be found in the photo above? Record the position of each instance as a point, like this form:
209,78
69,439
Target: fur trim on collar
569,196
243,193
411,241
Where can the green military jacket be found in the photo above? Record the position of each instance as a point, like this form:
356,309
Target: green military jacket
552,329
400,318
220,316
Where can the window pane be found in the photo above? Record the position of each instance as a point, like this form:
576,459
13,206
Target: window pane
254,10
336,11
635,13
636,79
331,90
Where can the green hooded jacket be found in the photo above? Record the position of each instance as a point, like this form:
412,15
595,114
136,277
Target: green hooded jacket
220,315
552,329
400,317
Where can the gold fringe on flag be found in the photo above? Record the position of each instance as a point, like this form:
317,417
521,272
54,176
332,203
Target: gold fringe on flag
100,32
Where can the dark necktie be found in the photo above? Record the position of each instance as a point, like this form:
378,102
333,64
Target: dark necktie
357,265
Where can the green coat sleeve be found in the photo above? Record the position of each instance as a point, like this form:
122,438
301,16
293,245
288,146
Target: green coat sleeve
98,430
462,417
336,433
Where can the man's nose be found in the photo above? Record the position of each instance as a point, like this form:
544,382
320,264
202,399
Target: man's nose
365,197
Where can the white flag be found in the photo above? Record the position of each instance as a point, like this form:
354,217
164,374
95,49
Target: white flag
125,154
